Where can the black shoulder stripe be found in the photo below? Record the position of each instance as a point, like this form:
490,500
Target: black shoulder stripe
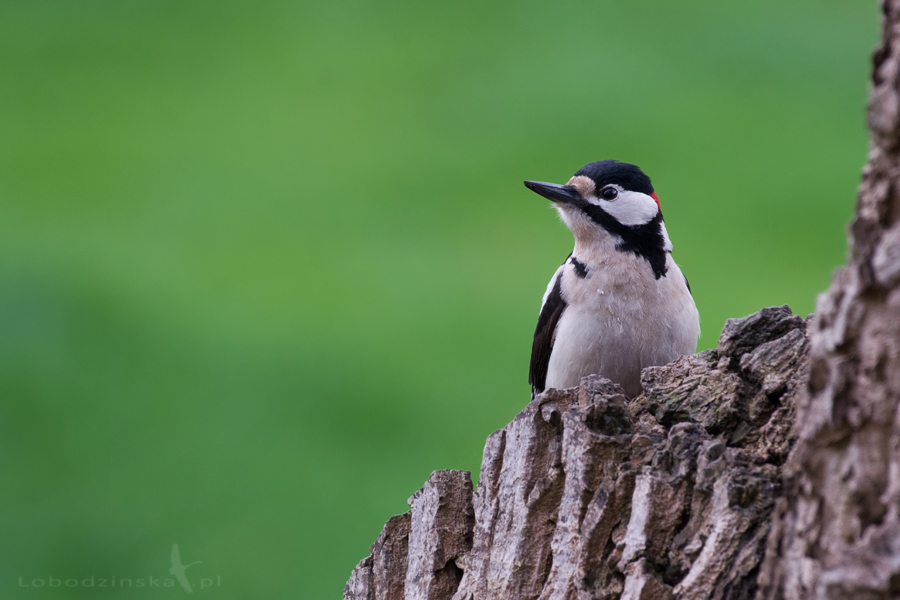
688,284
580,268
543,336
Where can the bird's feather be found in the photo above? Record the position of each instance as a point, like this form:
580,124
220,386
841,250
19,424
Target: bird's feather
551,311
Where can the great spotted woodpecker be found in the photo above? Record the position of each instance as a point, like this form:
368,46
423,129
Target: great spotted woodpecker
618,303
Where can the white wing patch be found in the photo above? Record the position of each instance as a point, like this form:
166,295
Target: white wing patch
551,284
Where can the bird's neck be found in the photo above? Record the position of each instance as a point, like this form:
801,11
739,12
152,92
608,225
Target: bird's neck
597,249
608,249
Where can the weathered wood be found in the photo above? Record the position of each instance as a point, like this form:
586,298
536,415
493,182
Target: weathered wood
441,532
585,496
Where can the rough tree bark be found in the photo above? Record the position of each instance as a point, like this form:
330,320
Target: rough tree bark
768,467
837,530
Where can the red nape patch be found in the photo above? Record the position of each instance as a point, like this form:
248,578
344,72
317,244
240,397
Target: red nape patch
658,205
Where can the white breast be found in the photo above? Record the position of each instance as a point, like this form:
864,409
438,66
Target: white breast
620,319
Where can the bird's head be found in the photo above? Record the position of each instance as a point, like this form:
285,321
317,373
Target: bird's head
606,198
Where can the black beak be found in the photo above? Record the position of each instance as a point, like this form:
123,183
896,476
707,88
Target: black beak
565,194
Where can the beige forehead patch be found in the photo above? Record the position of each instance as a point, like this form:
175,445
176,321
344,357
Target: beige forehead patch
582,183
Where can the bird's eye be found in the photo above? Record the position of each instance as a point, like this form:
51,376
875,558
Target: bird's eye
609,193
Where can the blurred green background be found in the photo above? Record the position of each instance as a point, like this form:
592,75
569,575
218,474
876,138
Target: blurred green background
265,266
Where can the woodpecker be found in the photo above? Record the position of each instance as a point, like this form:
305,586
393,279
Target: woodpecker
618,303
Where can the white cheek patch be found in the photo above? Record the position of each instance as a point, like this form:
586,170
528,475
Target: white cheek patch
630,208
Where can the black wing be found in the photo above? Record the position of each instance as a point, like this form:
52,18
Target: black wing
551,311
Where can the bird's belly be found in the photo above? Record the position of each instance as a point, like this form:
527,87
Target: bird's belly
587,343
616,339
